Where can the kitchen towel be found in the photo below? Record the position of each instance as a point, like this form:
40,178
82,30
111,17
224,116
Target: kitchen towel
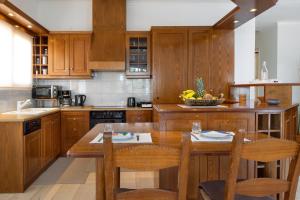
137,138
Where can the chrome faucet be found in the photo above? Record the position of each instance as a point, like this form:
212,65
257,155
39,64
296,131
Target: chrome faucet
22,104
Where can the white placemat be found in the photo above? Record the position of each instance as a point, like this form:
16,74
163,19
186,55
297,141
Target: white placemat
200,138
186,106
143,138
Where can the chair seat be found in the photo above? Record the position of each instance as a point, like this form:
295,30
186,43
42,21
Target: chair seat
214,190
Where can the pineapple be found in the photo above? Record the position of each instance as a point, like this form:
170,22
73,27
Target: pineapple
200,87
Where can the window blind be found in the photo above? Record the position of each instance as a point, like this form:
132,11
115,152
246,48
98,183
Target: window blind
15,57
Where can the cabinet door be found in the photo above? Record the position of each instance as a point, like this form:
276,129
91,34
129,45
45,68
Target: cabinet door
169,64
74,126
199,56
231,121
32,155
56,135
58,54
133,116
79,54
47,140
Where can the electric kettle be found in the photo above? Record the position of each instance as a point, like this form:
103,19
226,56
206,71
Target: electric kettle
79,100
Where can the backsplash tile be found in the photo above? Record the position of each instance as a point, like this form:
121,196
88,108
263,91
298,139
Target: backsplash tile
107,88
9,98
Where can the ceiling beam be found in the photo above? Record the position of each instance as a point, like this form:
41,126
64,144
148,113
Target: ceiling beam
244,12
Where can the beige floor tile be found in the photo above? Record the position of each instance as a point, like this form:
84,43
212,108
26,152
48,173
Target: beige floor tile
86,192
66,192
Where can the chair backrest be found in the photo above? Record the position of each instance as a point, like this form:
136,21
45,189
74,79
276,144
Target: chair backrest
264,150
143,158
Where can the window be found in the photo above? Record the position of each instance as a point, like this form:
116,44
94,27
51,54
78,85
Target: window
15,57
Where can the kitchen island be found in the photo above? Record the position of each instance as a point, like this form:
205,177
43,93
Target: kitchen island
272,121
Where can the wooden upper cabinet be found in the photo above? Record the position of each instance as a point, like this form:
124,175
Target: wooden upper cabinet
108,39
58,54
79,53
199,56
69,54
138,54
170,55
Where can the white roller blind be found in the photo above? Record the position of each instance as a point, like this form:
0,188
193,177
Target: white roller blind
15,57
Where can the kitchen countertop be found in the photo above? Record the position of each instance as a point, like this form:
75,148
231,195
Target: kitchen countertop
164,108
95,108
22,117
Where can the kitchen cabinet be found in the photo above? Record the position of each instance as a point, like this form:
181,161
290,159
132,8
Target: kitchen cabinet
138,54
50,138
108,39
69,54
170,55
74,125
199,56
58,54
180,55
79,54
133,116
32,156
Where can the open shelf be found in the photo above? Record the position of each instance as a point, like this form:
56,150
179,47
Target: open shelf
40,55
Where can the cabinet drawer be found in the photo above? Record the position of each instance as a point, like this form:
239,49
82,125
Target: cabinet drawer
133,116
74,125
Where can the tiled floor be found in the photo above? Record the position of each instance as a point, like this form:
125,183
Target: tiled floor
74,179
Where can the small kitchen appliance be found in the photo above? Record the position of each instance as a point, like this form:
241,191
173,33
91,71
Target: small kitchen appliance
131,102
65,98
45,91
79,100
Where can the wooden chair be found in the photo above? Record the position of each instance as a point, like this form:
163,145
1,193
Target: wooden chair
146,157
265,150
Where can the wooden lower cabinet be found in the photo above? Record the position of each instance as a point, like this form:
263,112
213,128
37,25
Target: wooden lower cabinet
74,125
32,156
133,116
50,138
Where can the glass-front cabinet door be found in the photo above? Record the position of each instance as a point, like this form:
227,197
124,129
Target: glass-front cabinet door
138,55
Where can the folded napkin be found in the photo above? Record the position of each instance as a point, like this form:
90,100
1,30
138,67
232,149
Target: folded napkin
136,138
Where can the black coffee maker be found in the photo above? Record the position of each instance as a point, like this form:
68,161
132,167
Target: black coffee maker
79,100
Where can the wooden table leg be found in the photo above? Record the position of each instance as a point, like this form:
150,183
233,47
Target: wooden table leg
100,181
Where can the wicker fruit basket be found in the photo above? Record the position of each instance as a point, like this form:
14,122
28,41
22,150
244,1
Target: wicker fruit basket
203,102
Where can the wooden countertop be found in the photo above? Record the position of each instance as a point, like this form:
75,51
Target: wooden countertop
263,84
163,108
95,108
83,148
22,118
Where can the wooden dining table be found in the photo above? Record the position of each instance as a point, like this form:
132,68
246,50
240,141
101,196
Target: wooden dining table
84,149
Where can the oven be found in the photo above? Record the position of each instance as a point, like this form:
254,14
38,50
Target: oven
114,116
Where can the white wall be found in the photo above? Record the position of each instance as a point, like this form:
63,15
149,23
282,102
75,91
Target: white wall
244,53
266,42
288,55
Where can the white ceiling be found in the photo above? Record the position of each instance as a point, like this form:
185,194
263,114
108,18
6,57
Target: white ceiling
285,10
141,14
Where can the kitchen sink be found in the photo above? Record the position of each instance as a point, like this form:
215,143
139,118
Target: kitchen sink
30,111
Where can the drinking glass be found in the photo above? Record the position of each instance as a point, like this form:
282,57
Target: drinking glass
108,128
196,128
